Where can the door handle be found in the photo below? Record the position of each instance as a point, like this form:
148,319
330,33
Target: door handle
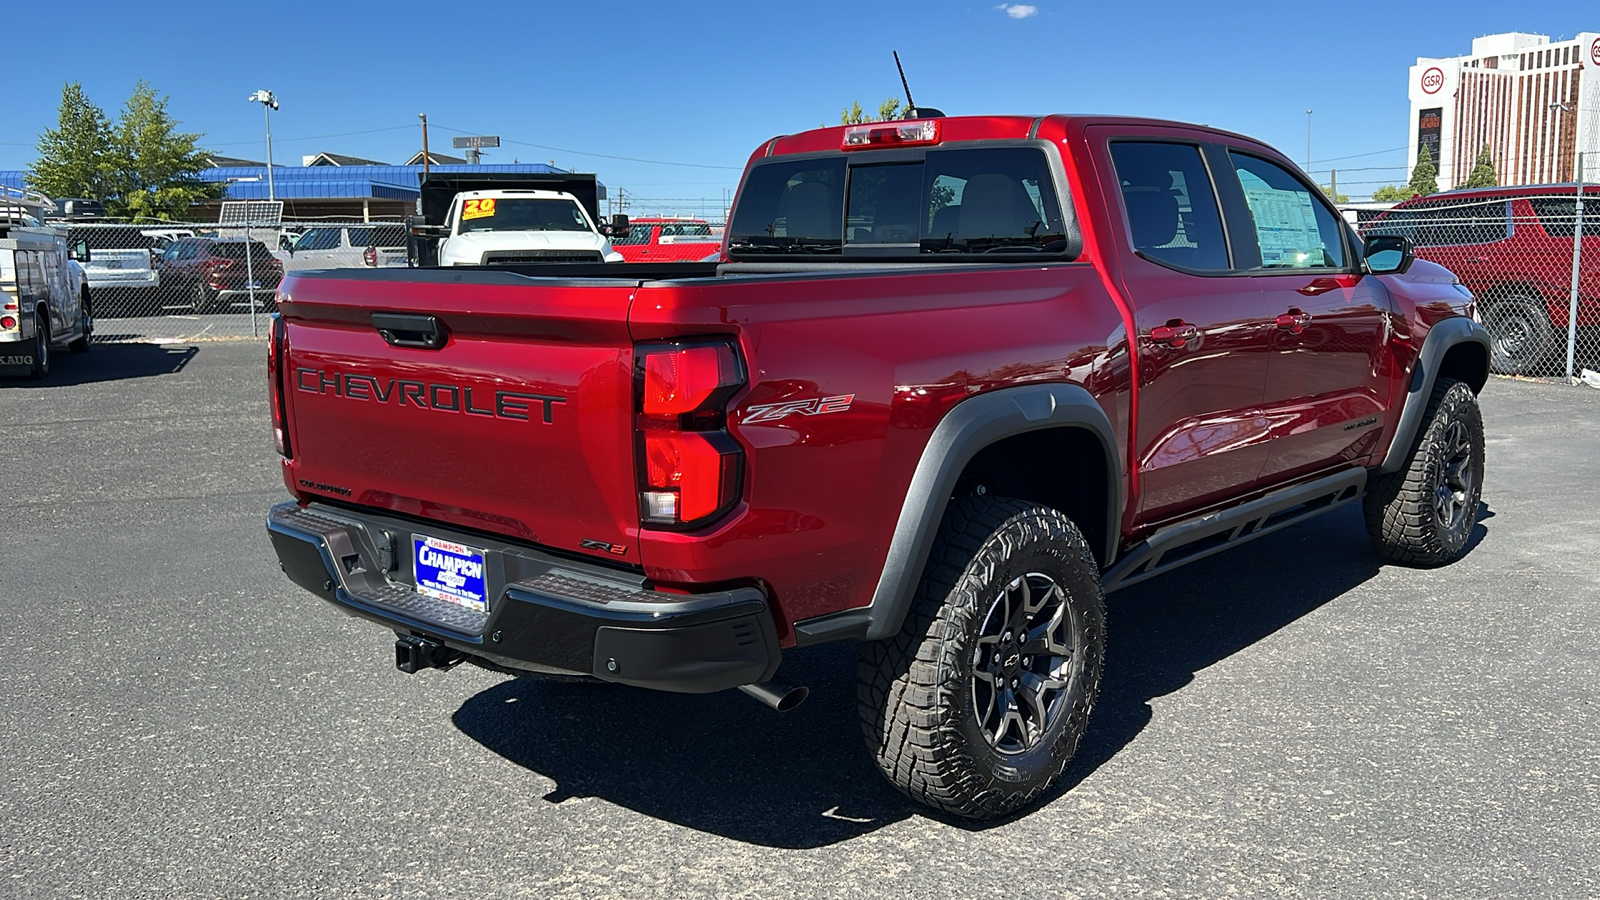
409,330
1320,286
1174,335
1294,321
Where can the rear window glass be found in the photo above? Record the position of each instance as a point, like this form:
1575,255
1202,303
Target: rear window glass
1559,215
981,200
235,249
378,236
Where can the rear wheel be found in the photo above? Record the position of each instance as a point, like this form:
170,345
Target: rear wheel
85,323
1521,335
980,701
201,299
41,346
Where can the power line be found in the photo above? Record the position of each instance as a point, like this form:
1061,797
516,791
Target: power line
653,162
314,137
1359,155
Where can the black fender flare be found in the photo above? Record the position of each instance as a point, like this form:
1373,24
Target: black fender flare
971,426
1441,338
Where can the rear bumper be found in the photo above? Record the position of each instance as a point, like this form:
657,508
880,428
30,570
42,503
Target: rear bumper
545,613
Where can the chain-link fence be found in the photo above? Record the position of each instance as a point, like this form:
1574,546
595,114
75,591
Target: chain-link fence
1532,259
176,281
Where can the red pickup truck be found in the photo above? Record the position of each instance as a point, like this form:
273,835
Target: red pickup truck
666,239
953,381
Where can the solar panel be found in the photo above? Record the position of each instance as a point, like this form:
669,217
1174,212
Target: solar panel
251,212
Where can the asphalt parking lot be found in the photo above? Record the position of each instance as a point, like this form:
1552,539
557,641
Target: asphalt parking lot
1285,719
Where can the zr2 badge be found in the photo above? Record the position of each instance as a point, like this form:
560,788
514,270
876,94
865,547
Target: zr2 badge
772,412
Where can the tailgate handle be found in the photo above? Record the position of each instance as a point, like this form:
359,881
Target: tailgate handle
407,330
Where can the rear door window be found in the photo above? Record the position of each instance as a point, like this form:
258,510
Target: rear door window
1171,204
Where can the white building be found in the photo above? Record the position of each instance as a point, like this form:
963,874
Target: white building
1534,102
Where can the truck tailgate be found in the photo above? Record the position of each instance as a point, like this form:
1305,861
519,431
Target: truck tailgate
519,422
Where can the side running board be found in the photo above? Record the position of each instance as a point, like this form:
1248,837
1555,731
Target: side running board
1197,538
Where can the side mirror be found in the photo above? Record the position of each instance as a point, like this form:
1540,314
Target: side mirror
79,250
619,226
1388,254
430,231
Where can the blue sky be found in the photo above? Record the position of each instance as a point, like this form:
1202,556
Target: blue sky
701,84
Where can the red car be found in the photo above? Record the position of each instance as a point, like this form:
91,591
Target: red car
213,275
1512,247
665,239
955,380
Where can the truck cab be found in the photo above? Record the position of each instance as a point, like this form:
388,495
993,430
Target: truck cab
497,227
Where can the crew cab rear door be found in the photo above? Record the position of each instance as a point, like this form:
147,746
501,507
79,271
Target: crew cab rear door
485,400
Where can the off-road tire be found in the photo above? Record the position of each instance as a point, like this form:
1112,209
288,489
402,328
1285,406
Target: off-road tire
1521,336
1423,514
918,692
41,347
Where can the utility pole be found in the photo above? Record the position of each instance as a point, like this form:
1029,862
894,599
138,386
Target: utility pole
1333,185
424,118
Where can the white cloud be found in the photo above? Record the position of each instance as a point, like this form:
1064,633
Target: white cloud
1019,10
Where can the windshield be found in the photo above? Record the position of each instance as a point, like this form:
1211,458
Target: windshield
521,214
984,200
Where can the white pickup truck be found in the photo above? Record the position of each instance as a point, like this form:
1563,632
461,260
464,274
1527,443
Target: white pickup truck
44,297
504,227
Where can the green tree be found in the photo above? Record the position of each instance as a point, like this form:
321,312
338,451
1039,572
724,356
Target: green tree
1425,177
158,166
1391,194
888,110
1483,174
1335,197
140,166
76,158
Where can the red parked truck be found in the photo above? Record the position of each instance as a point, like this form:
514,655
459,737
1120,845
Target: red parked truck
1512,247
956,379
666,239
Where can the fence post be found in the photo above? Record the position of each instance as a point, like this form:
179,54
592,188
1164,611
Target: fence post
250,276
1572,300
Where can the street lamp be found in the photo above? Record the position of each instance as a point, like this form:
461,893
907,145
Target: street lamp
1308,141
268,103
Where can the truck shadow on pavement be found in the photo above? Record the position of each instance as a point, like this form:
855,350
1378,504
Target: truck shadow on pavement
725,765
111,362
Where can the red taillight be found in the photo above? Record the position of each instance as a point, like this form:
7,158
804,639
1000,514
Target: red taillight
690,467
7,322
277,353
370,256
680,380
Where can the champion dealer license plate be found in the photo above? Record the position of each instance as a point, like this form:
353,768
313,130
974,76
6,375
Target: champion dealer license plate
450,572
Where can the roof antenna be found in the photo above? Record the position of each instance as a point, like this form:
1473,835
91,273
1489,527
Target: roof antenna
912,110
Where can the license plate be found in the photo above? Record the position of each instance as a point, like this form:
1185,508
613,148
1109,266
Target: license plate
449,571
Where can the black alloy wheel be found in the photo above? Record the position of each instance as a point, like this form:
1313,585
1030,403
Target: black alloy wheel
1022,662
1521,335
